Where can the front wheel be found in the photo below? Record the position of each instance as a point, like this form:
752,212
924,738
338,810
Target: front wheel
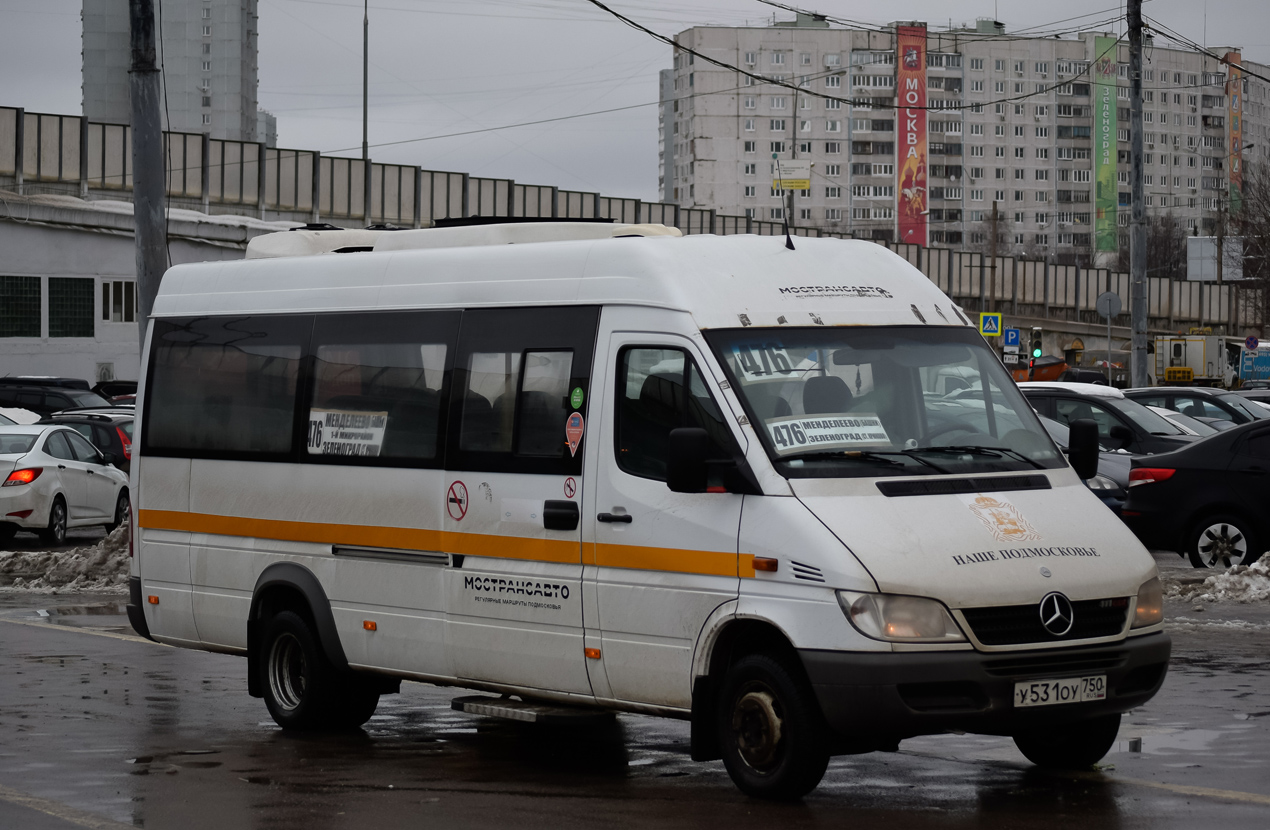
1070,746
55,533
770,729
1222,541
121,512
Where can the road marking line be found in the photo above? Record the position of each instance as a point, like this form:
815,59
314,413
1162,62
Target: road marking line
49,627
61,811
1186,789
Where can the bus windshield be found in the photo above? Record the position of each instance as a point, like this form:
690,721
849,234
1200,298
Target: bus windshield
896,400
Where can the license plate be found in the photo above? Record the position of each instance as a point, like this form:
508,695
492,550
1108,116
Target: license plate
1067,690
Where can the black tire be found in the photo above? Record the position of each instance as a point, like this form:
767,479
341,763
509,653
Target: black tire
1223,541
302,690
770,729
1070,746
121,512
55,533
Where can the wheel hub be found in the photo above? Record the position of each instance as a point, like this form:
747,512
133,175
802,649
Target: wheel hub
1223,543
287,672
757,727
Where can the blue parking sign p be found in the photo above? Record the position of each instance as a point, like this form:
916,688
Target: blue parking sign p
989,324
1011,337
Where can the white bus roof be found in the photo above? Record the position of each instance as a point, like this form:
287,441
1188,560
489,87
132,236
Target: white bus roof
723,282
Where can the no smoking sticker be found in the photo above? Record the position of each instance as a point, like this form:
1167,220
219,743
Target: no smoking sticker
570,487
456,501
573,429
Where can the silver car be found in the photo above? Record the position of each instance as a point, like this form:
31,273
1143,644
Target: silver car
54,479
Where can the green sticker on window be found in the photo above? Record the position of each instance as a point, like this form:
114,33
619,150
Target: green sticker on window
575,397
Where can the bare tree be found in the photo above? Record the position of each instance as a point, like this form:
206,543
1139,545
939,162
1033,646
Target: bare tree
1250,218
1166,247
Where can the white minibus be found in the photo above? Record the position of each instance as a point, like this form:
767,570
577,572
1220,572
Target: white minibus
788,495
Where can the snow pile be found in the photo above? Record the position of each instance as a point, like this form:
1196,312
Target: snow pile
99,568
1242,583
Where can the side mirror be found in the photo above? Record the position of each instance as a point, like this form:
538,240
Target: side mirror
1082,447
1121,433
686,460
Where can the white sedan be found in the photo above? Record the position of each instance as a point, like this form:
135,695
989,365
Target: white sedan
53,478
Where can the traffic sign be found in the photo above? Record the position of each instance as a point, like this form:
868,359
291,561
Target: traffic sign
1251,343
1012,338
1107,304
989,324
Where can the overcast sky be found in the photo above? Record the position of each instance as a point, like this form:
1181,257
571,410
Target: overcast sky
447,66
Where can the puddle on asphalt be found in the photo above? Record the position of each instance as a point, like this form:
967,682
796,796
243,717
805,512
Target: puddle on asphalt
110,615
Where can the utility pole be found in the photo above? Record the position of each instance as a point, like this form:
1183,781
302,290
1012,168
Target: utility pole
1221,236
793,154
1137,224
148,196
992,294
366,107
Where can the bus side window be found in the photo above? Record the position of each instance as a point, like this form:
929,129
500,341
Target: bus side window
379,388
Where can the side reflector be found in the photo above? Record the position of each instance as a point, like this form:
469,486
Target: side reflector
765,564
592,653
370,625
22,514
1149,475
152,599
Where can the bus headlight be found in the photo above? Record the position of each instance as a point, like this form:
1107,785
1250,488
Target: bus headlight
900,619
1150,605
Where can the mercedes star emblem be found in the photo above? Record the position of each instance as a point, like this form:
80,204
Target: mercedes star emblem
1056,614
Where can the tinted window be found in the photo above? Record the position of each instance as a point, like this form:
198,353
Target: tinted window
1200,408
516,373
1067,410
1151,400
379,387
1258,445
84,430
659,390
14,444
224,387
57,446
83,450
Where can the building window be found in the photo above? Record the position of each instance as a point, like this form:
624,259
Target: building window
804,213
998,195
833,126
118,301
207,66
749,102
833,192
833,170
207,119
751,58
833,60
776,125
751,146
833,214
20,307
749,125
976,63
71,307
207,48
778,59
207,100
1042,175
804,58
750,213
207,14
831,104
833,82
751,169
998,65
778,103
750,191
833,148
776,213
778,147
1018,152
207,31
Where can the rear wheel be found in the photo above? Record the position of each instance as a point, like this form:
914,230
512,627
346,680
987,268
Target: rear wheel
55,533
1070,745
121,512
1223,541
302,690
770,729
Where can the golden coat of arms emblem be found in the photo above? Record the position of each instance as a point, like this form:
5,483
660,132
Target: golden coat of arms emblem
1003,520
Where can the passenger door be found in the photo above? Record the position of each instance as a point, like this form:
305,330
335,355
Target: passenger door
71,473
512,496
661,562
99,497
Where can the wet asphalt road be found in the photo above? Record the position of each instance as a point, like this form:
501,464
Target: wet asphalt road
101,729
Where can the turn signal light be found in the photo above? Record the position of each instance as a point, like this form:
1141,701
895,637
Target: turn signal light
152,599
592,653
370,625
23,476
762,563
1149,475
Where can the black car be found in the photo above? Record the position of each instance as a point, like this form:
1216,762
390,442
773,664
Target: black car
1112,482
1206,501
1123,424
1201,402
109,430
44,399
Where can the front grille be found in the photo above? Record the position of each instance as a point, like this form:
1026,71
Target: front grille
1009,625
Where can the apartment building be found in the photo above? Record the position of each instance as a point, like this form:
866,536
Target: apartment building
209,55
992,118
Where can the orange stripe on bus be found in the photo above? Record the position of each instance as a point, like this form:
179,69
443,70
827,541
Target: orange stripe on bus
674,560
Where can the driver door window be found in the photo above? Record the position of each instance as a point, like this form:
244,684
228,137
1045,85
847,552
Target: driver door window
1067,410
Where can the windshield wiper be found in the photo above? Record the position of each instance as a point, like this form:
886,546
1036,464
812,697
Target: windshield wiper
866,455
970,449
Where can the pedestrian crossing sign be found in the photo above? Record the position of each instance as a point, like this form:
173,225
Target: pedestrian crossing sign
989,324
